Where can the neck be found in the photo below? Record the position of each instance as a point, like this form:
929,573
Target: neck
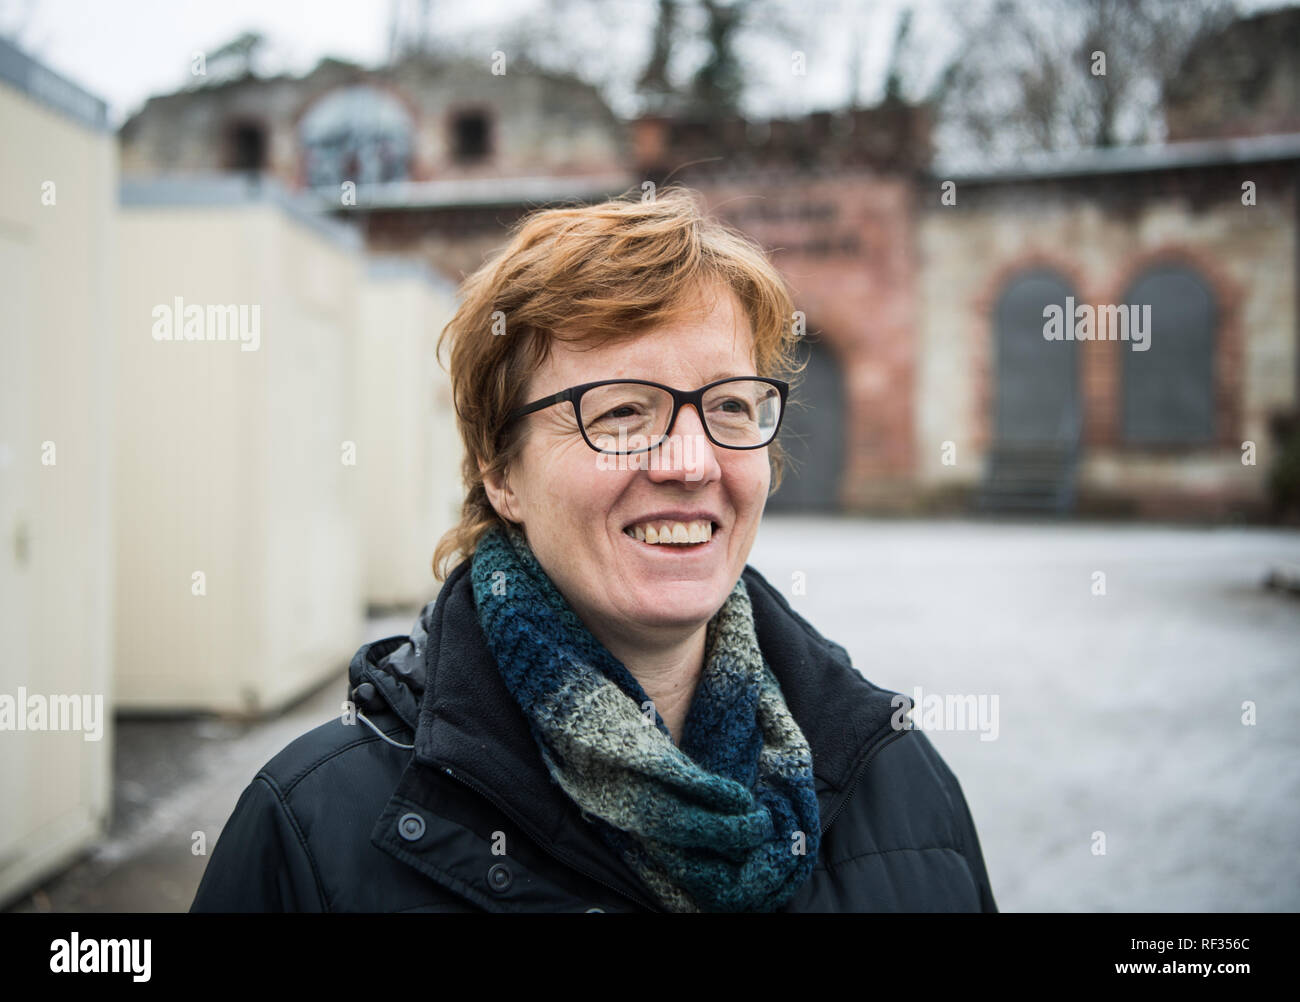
668,671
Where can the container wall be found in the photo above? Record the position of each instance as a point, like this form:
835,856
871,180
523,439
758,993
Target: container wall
240,573
408,448
57,193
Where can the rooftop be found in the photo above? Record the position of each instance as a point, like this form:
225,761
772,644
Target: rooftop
1129,159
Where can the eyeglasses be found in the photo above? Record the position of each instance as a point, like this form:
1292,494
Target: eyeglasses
621,417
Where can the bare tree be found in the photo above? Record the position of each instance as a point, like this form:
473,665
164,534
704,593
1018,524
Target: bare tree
234,59
654,84
721,29
719,82
898,57
678,54
1042,75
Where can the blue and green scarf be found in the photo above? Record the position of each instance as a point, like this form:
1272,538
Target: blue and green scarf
728,821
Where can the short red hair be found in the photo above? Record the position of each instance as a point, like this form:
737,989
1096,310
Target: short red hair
588,274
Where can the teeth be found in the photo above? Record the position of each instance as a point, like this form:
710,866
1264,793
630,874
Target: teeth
672,532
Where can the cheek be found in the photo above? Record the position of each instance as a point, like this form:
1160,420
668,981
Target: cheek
580,485
749,478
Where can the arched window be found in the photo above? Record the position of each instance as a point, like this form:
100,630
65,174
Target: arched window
1168,389
1037,399
358,133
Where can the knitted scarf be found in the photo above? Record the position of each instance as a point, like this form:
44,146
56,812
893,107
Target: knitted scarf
727,822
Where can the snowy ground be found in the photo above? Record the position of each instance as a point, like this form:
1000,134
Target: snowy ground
1118,713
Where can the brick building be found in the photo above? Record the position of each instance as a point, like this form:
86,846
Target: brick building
929,382
1200,238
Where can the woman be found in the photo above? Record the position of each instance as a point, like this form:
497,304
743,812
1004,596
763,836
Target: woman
605,709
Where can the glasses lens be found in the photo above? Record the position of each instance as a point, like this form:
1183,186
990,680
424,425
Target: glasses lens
625,417
631,417
744,412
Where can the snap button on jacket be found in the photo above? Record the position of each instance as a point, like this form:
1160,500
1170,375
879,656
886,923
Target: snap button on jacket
436,798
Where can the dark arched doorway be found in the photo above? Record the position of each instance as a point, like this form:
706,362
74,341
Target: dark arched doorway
1037,396
1036,415
1168,388
812,435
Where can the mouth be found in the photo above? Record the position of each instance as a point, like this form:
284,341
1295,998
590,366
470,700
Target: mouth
671,534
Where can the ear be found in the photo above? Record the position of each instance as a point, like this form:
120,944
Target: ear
502,496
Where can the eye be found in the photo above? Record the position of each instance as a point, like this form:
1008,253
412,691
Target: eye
735,406
621,413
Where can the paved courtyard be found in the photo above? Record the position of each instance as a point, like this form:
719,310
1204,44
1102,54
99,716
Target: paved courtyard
1118,711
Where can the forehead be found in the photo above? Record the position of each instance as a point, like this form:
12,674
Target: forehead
711,339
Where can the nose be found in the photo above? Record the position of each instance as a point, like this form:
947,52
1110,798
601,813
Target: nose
686,454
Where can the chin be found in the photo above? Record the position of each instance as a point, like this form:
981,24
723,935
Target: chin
681,604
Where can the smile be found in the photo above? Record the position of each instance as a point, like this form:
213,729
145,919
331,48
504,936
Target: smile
660,533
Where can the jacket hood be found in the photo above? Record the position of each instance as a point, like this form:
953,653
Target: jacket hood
395,669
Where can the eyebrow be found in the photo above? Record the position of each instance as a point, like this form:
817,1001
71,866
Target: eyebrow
725,375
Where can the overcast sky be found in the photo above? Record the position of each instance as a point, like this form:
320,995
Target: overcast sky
125,50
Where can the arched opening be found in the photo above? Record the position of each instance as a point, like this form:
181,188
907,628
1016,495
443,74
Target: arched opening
360,133
1168,388
812,434
1037,399
1036,418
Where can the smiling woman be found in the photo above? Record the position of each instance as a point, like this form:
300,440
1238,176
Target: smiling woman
606,708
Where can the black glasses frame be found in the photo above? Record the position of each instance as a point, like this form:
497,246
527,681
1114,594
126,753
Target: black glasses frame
680,398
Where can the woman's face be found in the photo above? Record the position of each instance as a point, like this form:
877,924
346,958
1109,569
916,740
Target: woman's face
576,504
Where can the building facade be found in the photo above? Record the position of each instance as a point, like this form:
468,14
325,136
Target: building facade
930,379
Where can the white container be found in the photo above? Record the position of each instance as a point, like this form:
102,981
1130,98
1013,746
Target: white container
239,577
58,189
408,447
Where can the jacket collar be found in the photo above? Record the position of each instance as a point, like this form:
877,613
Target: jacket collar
470,727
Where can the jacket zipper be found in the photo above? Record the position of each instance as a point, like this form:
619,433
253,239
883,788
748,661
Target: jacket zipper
857,778
532,833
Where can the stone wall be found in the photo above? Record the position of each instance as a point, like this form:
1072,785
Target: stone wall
1099,243
845,245
537,123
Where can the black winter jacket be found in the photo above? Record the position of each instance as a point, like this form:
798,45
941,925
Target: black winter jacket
349,819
